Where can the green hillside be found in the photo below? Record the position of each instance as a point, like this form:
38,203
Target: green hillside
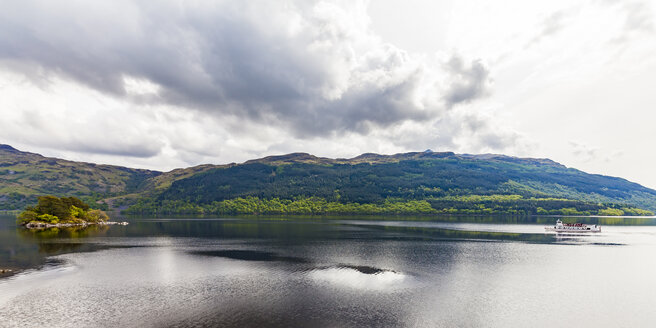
409,183
24,176
426,182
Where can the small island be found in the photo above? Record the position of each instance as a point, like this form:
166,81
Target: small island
57,212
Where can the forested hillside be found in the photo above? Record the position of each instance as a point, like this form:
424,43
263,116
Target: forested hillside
420,182
425,182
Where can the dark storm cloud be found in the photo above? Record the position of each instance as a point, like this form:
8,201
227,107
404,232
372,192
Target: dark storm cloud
310,67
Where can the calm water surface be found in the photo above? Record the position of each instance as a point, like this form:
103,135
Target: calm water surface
273,272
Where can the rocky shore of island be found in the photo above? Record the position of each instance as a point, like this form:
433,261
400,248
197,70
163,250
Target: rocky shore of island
45,225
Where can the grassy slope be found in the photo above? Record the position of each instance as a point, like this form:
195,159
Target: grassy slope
23,176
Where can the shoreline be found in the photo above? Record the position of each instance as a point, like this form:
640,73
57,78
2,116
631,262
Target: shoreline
43,225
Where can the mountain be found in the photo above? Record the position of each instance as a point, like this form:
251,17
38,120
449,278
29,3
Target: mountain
444,180
24,176
416,182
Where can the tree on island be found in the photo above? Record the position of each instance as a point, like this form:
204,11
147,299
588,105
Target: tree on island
53,210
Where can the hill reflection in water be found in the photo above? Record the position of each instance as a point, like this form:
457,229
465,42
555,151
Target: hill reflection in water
299,272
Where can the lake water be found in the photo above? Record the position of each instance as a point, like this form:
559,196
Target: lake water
303,272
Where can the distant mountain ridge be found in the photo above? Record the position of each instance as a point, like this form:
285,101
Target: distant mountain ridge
24,176
374,158
431,182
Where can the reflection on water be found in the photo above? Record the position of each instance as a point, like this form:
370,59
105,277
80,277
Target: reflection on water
360,277
22,249
61,233
305,272
247,255
52,241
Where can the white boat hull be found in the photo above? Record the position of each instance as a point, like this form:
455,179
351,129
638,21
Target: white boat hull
561,227
598,229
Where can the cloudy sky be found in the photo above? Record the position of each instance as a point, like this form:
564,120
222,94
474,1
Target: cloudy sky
171,84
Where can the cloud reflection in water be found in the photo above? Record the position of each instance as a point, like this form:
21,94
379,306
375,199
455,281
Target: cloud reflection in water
366,278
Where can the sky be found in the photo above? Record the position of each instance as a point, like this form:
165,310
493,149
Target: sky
170,84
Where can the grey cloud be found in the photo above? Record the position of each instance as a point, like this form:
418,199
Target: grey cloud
467,82
491,140
303,66
553,24
62,133
591,154
579,149
480,133
638,18
141,150
487,136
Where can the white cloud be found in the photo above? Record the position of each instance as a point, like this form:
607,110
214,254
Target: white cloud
313,68
213,81
170,84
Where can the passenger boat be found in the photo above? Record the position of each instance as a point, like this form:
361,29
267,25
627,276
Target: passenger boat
573,227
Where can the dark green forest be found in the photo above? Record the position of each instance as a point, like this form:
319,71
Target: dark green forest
443,185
